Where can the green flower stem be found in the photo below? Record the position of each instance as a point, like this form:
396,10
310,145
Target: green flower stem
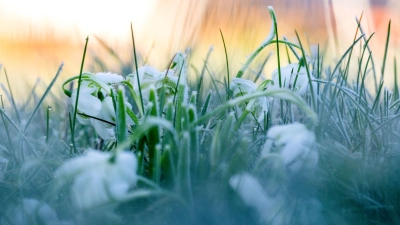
266,42
280,93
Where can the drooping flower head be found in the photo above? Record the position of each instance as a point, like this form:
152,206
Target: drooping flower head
294,142
99,177
95,104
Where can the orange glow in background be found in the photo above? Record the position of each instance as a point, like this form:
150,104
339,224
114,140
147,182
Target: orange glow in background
36,36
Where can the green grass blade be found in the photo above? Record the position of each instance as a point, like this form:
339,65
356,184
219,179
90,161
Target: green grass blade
12,97
77,97
43,97
280,93
228,90
137,71
121,116
313,97
386,51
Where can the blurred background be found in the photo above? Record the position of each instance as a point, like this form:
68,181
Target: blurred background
36,36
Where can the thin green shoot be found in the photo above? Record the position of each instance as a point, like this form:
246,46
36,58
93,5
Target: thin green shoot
228,90
12,97
43,97
141,108
386,51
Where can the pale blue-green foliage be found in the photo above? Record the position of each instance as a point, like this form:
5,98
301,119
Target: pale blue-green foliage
206,159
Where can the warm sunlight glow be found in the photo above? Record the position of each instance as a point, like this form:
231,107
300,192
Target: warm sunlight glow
110,18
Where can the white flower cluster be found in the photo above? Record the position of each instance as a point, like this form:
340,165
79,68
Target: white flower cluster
95,104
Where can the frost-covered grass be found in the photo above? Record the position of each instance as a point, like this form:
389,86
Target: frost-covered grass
311,145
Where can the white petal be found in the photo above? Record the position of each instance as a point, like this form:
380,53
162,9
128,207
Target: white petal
87,103
251,191
109,78
91,158
241,86
103,129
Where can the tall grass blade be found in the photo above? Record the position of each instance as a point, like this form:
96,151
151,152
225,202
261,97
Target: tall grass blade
12,97
43,97
228,90
77,97
386,51
121,116
141,108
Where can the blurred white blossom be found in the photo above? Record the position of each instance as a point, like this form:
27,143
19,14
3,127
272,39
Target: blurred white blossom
253,194
32,211
99,177
258,106
294,142
150,76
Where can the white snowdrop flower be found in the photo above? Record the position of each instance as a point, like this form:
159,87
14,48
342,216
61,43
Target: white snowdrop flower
294,143
109,78
88,102
32,211
253,195
95,103
293,77
99,177
240,86
259,106
150,76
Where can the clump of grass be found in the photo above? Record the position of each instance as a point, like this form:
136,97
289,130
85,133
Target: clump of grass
207,154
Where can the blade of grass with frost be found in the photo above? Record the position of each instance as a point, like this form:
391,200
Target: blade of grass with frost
21,134
372,59
362,88
335,92
183,176
396,85
194,139
269,40
153,138
181,92
227,89
313,97
12,98
48,123
121,116
77,96
203,70
44,96
280,93
355,36
360,64
12,153
386,51
215,148
141,108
